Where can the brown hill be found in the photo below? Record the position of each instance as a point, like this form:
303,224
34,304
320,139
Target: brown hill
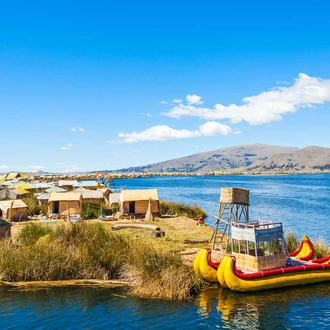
226,159
309,159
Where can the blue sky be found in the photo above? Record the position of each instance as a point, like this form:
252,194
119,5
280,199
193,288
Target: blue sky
105,85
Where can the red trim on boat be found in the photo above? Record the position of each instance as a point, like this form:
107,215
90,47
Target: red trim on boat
279,271
321,260
294,253
213,264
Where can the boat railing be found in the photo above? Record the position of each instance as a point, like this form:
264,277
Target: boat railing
258,224
257,231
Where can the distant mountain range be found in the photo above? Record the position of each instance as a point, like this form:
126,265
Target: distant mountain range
245,158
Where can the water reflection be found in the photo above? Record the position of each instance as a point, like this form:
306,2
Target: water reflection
272,309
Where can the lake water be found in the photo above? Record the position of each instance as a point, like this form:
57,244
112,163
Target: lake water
300,202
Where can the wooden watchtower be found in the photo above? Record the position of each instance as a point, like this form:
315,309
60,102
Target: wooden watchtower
233,207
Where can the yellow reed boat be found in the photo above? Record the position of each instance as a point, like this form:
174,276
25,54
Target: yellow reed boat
300,273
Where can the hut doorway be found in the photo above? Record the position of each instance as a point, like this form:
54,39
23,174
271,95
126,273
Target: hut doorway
131,207
56,207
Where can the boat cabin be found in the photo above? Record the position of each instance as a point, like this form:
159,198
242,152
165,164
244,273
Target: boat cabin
258,245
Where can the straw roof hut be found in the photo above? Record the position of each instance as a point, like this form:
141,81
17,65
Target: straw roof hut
67,184
13,175
91,196
42,186
88,184
55,189
43,198
113,199
136,202
10,193
26,186
62,202
106,193
13,210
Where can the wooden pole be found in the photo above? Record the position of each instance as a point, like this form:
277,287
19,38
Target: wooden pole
10,211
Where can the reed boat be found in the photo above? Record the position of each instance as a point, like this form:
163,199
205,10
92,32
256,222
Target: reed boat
259,258
300,273
300,267
209,269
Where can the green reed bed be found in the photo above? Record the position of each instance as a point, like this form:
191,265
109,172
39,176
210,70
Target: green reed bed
93,251
181,209
321,248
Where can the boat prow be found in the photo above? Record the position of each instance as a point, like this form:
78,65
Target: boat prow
305,250
204,265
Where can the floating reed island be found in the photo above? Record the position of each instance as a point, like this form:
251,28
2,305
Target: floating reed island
92,253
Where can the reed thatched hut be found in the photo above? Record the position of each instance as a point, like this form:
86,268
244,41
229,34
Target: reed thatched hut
91,196
113,200
136,202
87,184
10,193
43,199
13,210
61,203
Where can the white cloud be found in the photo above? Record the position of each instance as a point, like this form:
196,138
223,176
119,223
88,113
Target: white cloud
76,129
67,147
263,108
3,167
164,133
177,100
194,99
163,102
137,150
158,133
213,128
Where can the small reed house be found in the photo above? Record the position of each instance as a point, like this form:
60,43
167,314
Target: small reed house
62,203
13,210
136,202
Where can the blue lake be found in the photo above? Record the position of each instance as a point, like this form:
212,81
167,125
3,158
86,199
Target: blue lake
300,202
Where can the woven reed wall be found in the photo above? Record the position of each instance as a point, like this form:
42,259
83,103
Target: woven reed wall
256,264
235,196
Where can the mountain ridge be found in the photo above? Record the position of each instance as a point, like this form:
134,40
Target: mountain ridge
251,158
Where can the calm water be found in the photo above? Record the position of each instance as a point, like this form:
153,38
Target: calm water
301,202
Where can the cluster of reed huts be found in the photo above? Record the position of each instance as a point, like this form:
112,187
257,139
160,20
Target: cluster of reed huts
66,197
